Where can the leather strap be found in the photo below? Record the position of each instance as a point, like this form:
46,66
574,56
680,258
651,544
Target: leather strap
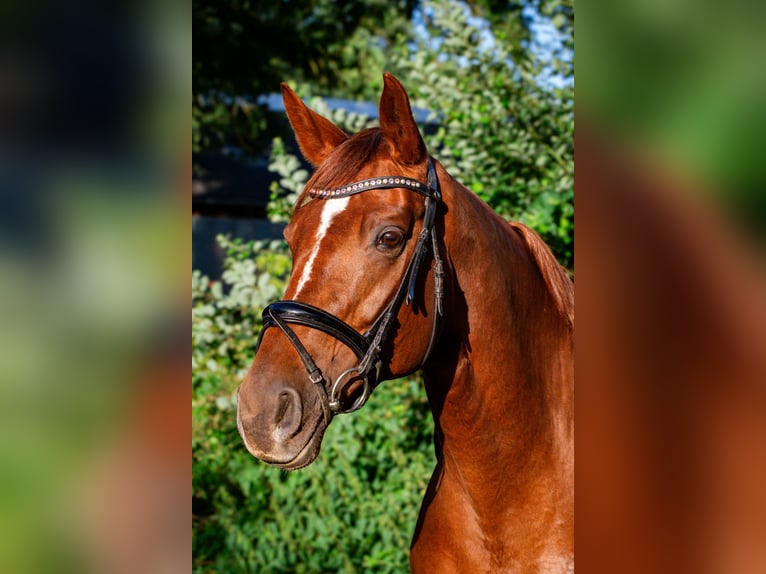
367,347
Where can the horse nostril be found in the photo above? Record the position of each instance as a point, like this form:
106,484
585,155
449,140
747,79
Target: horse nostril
288,418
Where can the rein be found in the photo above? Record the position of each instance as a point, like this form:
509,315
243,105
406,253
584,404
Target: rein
367,347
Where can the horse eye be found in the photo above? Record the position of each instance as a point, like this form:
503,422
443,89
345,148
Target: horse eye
390,239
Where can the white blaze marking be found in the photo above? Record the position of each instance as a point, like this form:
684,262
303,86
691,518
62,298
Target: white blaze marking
332,207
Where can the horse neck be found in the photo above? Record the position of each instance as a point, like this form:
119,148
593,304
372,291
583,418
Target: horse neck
500,383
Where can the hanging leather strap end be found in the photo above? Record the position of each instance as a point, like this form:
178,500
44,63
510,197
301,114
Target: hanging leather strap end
439,288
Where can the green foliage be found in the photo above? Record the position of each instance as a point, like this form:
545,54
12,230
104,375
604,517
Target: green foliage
353,510
226,314
218,119
293,177
247,47
501,132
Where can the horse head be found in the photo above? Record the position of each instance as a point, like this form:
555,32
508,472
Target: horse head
355,310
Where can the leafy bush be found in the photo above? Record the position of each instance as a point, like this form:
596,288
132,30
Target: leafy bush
504,132
293,177
353,510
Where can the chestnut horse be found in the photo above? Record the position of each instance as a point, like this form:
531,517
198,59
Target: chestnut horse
398,267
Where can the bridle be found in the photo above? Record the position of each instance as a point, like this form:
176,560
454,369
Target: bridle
367,347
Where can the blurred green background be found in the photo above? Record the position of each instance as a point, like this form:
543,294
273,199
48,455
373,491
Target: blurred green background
679,83
492,85
93,239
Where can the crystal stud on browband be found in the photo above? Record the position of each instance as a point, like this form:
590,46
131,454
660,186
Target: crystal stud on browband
323,193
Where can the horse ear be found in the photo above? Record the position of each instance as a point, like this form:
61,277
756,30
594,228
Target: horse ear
398,125
317,136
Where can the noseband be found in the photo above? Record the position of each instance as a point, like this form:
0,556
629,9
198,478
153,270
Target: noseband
367,347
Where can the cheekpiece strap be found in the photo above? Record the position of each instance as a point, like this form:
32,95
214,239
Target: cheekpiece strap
368,346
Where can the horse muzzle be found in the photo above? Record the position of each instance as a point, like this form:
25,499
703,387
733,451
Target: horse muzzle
279,427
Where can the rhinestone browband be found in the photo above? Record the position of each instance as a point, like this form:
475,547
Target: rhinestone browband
374,183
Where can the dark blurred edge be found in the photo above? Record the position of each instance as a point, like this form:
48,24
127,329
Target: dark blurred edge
671,341
95,251
670,371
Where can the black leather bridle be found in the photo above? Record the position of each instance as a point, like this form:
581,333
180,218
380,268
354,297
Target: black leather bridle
367,347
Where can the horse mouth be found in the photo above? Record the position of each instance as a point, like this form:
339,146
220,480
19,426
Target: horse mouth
305,455
310,450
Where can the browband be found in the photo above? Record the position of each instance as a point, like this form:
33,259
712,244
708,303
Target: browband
367,347
429,189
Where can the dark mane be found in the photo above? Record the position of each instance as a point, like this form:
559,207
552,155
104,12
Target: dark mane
345,161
